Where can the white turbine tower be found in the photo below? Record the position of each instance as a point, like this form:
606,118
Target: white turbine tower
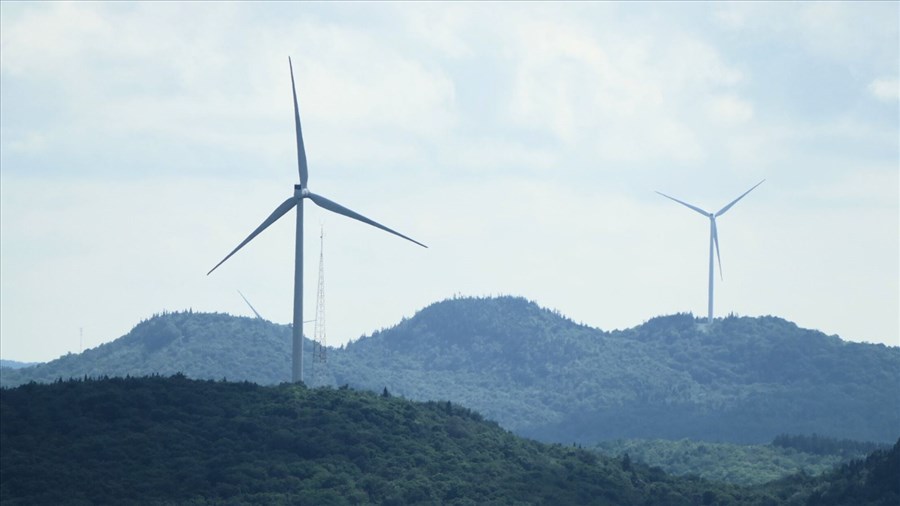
713,237
301,192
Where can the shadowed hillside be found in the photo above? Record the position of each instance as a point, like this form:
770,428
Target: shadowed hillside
741,464
157,440
173,440
542,375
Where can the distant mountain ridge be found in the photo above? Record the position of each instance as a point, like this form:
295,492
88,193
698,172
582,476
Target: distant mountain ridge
542,375
15,364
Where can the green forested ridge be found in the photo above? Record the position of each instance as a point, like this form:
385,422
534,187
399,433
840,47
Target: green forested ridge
742,379
872,481
157,440
201,345
819,445
741,464
542,375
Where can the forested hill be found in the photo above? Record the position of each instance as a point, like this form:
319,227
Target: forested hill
742,464
542,375
200,345
173,440
742,379
157,440
13,364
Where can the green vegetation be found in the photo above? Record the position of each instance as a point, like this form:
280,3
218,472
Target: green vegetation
158,440
742,380
172,440
200,345
819,445
872,481
741,464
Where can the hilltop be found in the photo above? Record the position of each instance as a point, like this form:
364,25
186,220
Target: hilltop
201,345
742,379
542,375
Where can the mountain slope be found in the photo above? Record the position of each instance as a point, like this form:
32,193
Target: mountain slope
173,440
740,464
201,345
865,482
741,379
14,364
540,374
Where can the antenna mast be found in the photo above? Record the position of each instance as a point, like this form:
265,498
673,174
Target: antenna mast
319,343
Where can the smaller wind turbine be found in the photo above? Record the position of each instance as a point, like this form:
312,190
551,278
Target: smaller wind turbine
258,317
713,237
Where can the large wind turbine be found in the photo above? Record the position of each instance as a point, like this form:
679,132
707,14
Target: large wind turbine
301,192
713,237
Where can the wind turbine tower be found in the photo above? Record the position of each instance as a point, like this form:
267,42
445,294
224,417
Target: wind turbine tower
713,237
295,201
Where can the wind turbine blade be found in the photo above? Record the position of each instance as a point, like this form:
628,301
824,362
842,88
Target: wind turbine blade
695,208
339,209
715,234
301,151
249,304
733,202
286,206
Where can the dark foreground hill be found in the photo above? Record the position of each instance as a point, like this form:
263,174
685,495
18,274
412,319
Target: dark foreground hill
542,375
174,440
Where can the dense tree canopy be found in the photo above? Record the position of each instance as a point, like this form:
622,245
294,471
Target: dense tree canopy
540,374
741,464
174,440
157,440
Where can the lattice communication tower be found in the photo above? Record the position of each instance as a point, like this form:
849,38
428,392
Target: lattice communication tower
319,343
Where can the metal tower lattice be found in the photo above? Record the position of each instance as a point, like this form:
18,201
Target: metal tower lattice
319,342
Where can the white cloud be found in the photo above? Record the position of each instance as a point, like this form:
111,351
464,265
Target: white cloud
729,110
851,33
443,27
885,89
630,96
171,77
28,142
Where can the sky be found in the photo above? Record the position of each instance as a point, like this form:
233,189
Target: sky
522,142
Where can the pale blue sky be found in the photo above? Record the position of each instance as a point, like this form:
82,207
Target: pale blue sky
139,143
